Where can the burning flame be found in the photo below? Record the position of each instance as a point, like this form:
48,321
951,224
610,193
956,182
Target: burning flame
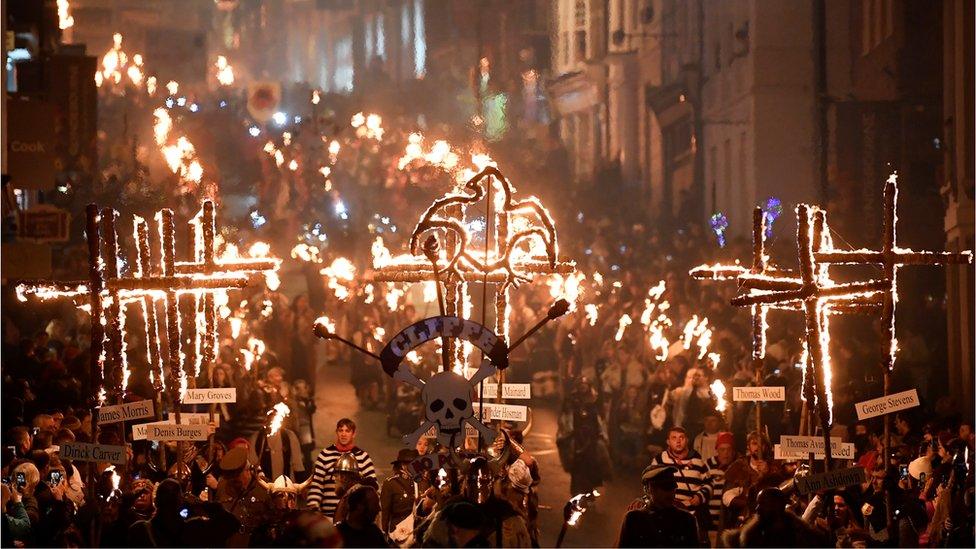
592,313
326,323
339,274
225,72
367,126
622,326
65,20
278,415
718,389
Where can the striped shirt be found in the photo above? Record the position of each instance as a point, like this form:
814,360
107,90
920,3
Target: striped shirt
717,475
322,489
692,475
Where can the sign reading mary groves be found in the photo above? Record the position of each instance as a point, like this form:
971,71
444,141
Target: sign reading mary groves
210,396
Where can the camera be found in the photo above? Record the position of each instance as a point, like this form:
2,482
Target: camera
54,478
903,472
21,480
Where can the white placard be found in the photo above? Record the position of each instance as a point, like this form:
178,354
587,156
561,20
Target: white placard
193,418
81,451
844,451
514,391
126,412
831,479
758,394
170,431
886,405
210,396
800,447
504,412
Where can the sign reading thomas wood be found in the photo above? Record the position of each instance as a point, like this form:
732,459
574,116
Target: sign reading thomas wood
210,396
886,405
80,451
125,412
758,394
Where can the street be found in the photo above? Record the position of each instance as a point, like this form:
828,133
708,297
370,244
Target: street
336,398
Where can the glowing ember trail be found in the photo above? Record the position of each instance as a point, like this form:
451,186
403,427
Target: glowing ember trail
278,415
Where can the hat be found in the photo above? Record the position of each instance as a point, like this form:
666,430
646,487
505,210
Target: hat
920,468
725,437
406,455
658,475
464,515
234,459
346,463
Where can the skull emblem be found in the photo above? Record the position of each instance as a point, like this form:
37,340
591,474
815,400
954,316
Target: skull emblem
447,397
447,405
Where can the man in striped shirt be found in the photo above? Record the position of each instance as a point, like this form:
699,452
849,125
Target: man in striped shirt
717,464
322,493
694,484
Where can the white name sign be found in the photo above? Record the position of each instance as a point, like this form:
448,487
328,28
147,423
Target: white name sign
210,396
170,431
798,447
845,451
193,418
758,394
81,451
125,412
504,412
886,405
515,391
831,479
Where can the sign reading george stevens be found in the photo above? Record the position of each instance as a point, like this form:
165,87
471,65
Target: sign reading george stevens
434,327
125,412
81,451
758,394
886,405
210,396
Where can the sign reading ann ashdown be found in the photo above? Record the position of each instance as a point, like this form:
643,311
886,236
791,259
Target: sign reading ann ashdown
210,396
503,412
125,412
515,391
758,394
886,405
831,479
81,451
800,447
171,431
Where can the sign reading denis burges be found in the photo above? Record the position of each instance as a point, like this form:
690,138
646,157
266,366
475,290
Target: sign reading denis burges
830,479
210,396
170,431
758,394
886,405
125,412
80,451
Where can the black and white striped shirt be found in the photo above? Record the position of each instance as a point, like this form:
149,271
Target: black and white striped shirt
717,475
322,488
692,475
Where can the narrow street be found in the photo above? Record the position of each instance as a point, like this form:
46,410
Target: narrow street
336,398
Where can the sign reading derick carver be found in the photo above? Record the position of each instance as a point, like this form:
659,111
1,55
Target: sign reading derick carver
80,451
886,405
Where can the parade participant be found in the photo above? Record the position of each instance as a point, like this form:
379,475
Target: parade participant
659,523
582,438
397,497
322,494
694,485
748,475
773,525
172,524
277,454
136,504
717,465
705,442
241,493
358,528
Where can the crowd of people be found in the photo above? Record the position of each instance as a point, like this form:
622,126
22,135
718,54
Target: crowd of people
629,410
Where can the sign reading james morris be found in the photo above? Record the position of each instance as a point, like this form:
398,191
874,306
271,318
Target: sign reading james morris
125,412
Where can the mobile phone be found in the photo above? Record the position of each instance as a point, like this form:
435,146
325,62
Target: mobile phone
54,478
21,480
185,512
903,472
35,430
